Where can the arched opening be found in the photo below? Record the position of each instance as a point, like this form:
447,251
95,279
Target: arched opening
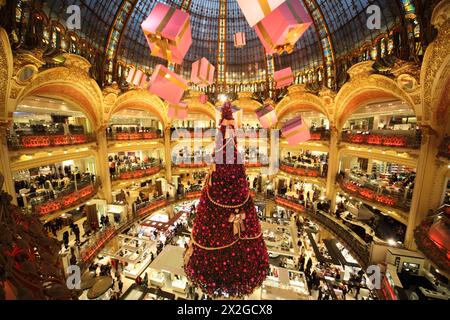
45,122
134,124
386,123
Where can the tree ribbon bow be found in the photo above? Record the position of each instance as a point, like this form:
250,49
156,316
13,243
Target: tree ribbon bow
238,222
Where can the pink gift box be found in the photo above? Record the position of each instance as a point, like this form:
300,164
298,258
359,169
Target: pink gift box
178,111
168,33
239,40
281,29
167,84
202,73
283,78
256,10
135,76
144,82
203,99
267,116
296,131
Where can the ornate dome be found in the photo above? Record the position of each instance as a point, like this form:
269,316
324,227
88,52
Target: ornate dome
339,27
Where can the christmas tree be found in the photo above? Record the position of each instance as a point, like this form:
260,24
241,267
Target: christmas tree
227,255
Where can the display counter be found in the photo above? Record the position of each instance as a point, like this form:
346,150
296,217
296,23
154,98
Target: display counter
283,284
157,279
135,252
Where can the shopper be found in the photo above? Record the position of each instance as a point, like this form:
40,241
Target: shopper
120,285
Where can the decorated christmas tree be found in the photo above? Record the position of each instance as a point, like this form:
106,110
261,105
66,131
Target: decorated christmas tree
227,255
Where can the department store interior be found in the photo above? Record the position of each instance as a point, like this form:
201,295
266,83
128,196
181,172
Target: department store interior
114,174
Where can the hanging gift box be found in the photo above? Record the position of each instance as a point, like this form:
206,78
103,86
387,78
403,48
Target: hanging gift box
202,73
203,98
167,84
168,33
296,131
283,78
239,40
267,116
256,10
281,29
178,111
144,82
135,76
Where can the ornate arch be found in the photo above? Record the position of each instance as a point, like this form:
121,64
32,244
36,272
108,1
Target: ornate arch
299,99
71,83
435,75
136,99
366,87
6,61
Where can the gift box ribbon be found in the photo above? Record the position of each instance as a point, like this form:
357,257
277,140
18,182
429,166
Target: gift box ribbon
175,81
265,7
178,109
289,77
238,222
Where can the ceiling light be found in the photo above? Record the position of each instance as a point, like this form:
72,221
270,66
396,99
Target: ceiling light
392,242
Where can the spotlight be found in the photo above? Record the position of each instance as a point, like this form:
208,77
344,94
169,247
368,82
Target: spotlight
391,242
223,98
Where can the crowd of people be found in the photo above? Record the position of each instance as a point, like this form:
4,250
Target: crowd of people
305,159
46,187
123,163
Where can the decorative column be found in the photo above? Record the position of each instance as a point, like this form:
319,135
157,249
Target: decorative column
370,166
168,154
333,166
5,167
103,164
424,185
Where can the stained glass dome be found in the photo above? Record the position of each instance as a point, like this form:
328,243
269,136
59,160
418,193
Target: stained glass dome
340,27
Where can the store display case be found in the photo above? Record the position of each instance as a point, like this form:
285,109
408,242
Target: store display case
283,284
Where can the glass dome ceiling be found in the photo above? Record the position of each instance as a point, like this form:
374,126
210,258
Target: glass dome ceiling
339,27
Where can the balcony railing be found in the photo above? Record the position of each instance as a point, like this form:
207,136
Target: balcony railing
320,134
444,148
136,172
438,254
48,140
369,192
45,204
385,138
130,136
352,241
302,170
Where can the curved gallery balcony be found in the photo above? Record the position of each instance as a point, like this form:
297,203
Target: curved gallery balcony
392,197
384,138
41,122
146,134
47,141
45,202
320,134
432,238
357,245
135,170
303,170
